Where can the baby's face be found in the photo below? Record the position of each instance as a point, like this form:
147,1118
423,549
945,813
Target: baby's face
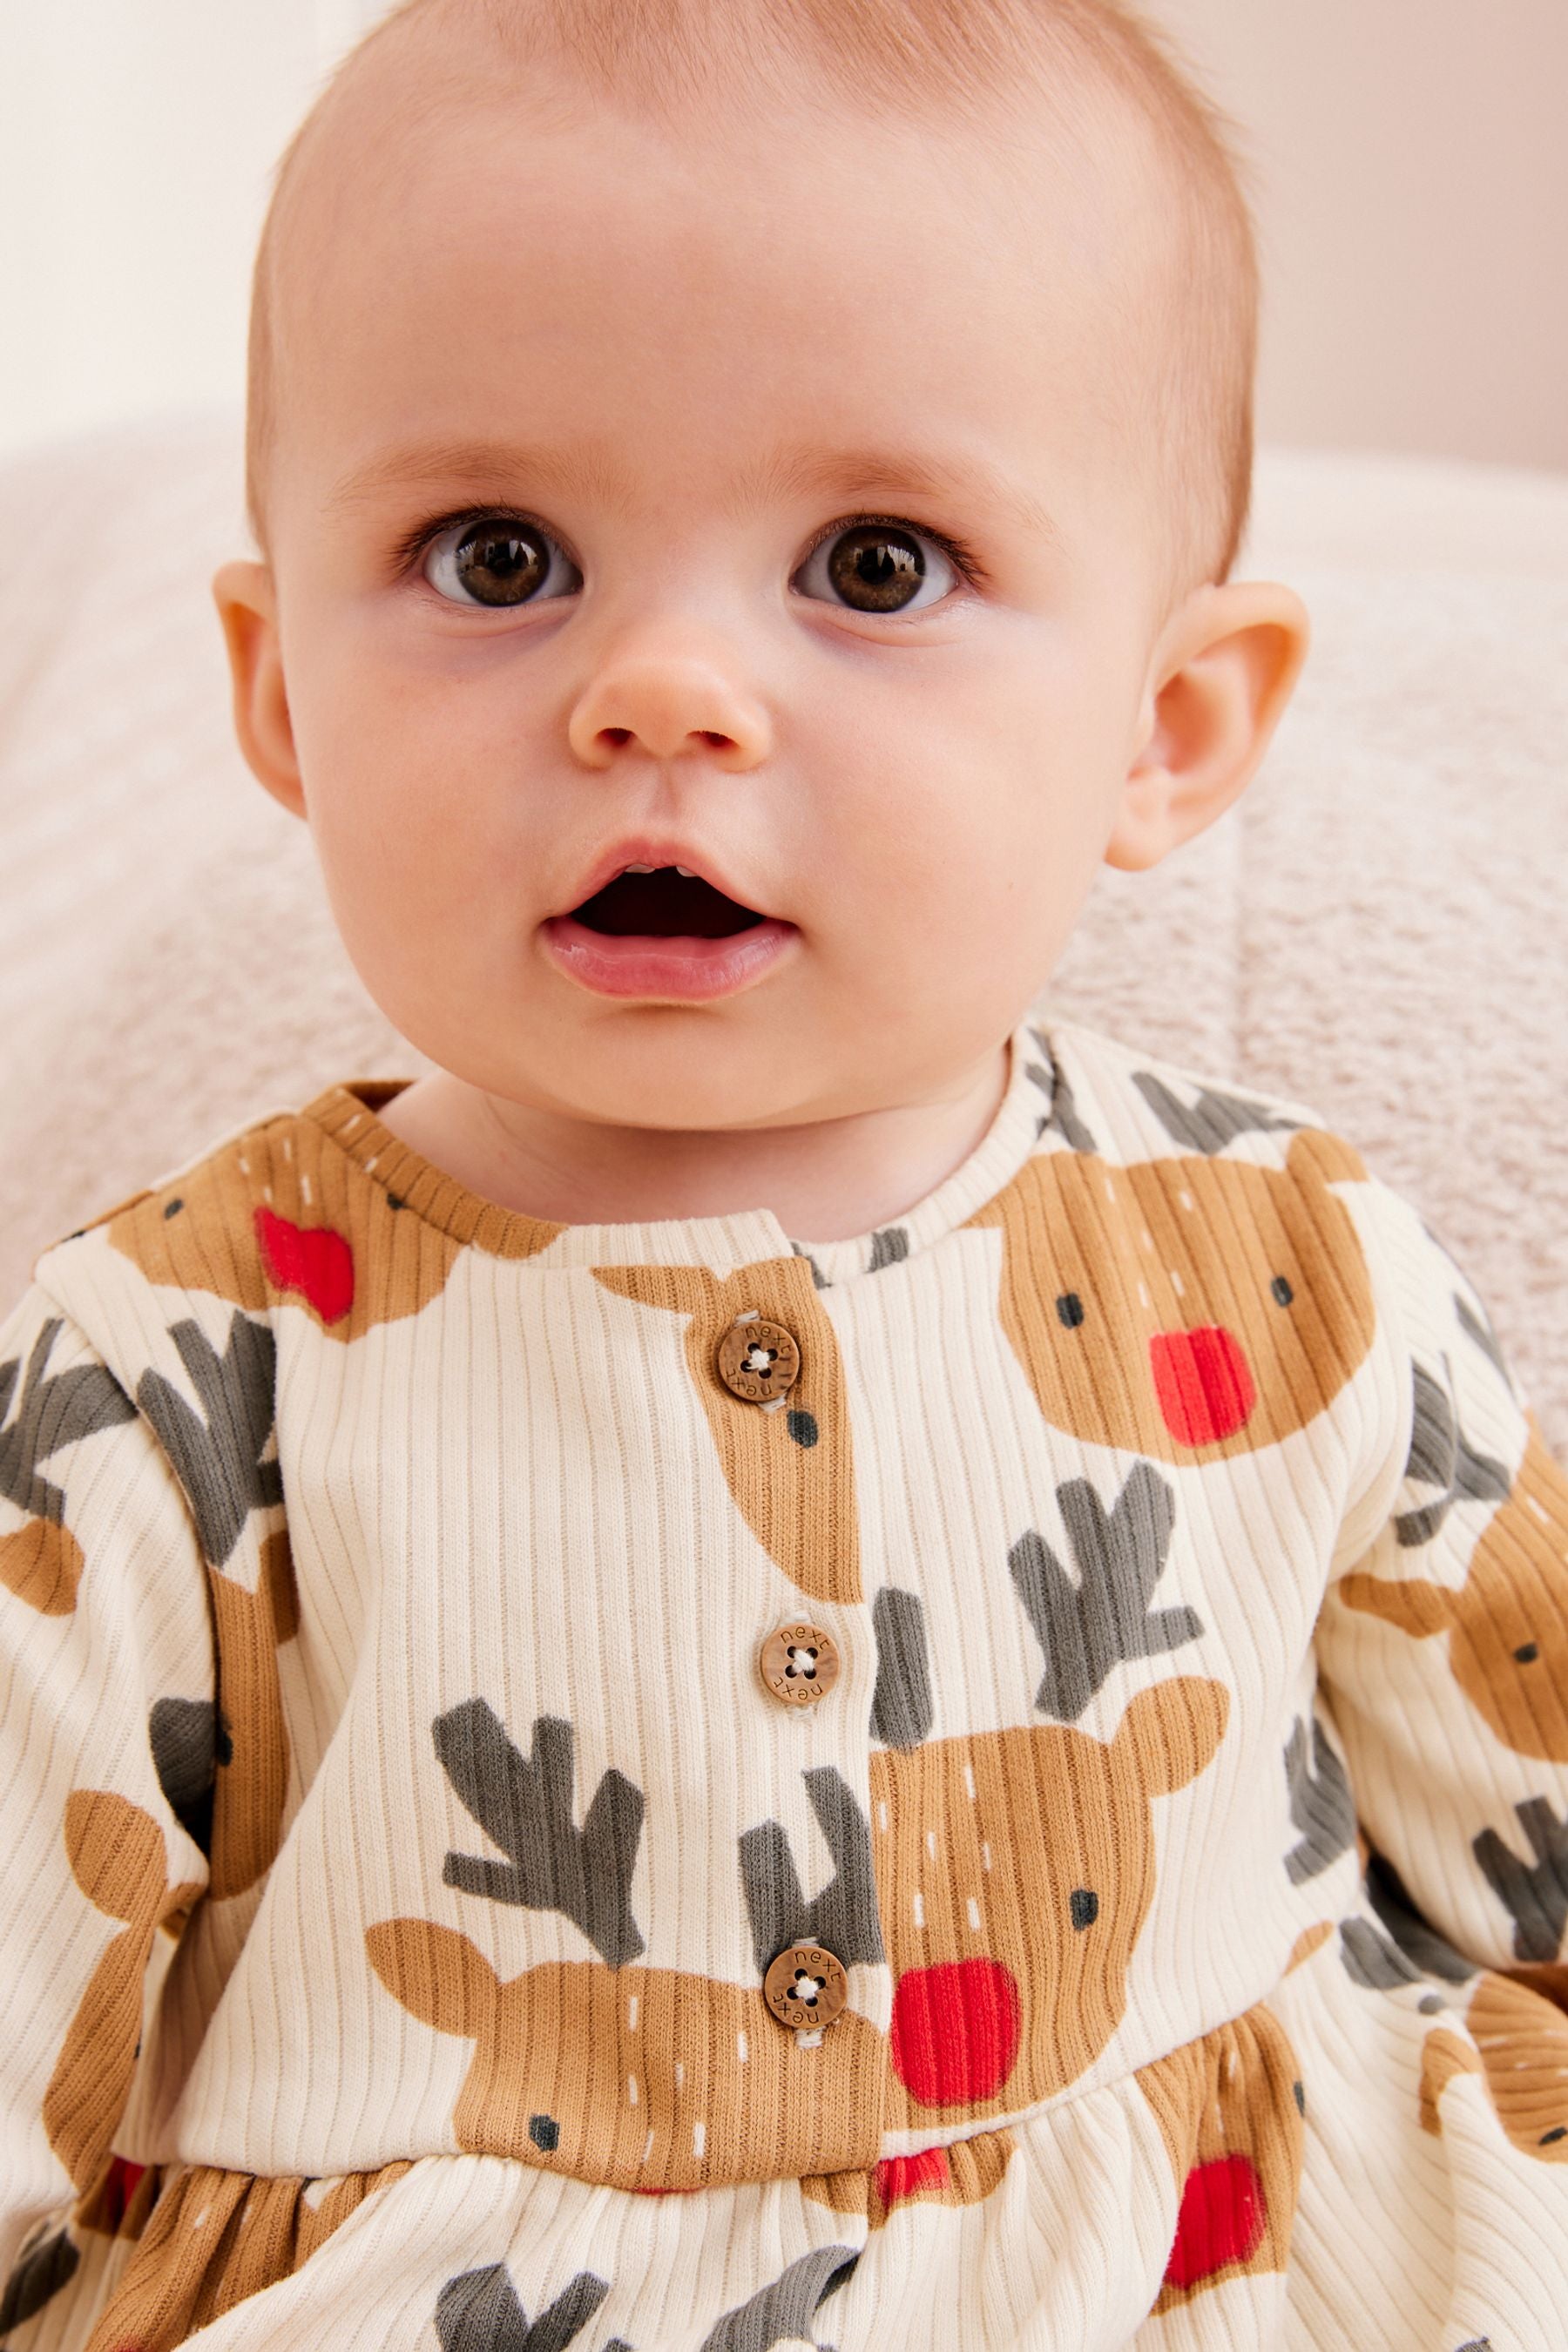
768,506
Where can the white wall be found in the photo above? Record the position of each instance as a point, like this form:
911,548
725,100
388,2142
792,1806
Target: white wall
1410,156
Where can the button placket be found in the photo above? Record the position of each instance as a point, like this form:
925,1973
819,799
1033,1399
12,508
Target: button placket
758,1360
799,1665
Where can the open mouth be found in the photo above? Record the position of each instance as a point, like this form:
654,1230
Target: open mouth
664,933
665,903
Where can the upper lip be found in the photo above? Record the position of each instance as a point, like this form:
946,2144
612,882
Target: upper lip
644,850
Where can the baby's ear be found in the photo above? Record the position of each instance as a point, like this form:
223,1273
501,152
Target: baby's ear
1220,675
247,606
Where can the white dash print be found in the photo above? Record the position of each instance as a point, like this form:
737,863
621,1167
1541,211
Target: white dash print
968,1780
680,2073
1177,1284
986,1854
741,2048
699,2138
1147,1239
201,2217
371,1164
304,1188
1144,1294
919,1908
1110,1190
288,1149
881,1813
632,2013
974,1915
931,1843
1185,1199
267,1191
1543,1515
245,1167
647,2143
631,2090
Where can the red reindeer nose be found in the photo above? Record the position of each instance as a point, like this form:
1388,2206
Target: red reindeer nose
1223,2215
955,2030
1202,1381
898,2177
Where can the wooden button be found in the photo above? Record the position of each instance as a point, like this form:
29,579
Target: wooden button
805,1986
800,1664
758,1360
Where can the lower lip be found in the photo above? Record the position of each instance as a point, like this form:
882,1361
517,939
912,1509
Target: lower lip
686,968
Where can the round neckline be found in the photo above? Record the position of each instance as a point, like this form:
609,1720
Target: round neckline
347,1110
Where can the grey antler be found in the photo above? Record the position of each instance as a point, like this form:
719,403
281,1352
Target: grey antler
1440,1455
781,2313
479,2311
1213,1120
53,1413
524,1804
217,1459
1085,1629
1534,1894
1321,1805
900,1706
843,1916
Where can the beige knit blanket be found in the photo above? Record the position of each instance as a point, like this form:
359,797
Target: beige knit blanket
1379,929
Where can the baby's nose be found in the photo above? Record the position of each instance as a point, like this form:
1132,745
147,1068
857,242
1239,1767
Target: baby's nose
664,701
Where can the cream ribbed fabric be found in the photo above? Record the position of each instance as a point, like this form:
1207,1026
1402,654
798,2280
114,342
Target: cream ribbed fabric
399,1831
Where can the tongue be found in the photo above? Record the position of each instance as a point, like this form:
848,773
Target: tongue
664,905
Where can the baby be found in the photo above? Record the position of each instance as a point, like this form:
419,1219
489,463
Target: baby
783,1660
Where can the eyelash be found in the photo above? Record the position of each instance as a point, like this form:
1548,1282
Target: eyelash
959,553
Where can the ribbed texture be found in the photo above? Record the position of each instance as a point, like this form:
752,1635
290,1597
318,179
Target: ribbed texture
382,1579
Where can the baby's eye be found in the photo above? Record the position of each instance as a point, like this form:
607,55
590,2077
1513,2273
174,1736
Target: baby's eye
498,560
876,567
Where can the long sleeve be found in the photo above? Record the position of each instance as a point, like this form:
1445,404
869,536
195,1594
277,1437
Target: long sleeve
1443,1647
108,1724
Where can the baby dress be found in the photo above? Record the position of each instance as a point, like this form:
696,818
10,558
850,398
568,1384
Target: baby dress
659,1787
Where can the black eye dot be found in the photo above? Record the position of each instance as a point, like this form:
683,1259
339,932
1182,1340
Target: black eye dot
1282,1290
802,1427
1559,2132
1527,1653
1069,1307
544,2132
1085,1906
395,1200
1298,2093
173,1208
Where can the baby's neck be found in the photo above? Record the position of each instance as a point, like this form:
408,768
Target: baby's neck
825,1182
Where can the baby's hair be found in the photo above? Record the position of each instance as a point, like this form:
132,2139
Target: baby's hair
943,63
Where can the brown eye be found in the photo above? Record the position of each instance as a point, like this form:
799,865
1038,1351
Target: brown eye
499,562
876,567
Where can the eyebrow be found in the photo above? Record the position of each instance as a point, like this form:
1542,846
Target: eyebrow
486,465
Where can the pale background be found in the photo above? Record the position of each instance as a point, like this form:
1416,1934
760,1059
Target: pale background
1408,156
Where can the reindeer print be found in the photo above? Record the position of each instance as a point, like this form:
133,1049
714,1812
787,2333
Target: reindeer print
789,1470
1321,1805
1086,1628
783,2313
1184,1309
479,2312
1214,1120
301,1222
119,1860
524,1802
41,1562
1534,1894
641,2078
954,2173
1230,2108
1519,2044
1507,1624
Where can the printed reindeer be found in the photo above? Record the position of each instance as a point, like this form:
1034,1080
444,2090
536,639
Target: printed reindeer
643,2078
1241,1290
41,1562
1016,1868
303,1223
789,1470
1507,1623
